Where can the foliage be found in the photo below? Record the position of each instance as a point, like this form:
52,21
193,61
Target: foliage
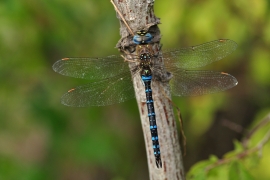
242,162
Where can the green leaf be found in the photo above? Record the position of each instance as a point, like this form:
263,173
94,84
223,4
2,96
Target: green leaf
213,158
233,171
238,148
238,172
199,176
198,170
244,173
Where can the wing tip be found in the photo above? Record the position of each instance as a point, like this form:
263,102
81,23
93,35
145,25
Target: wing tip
233,79
233,43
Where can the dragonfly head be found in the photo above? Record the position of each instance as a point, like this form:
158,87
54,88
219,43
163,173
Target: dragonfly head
142,37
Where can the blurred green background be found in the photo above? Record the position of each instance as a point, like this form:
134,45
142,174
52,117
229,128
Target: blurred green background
42,139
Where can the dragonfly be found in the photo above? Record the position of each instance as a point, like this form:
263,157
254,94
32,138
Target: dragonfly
111,79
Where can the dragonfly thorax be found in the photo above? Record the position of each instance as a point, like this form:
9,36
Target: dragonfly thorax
145,59
145,54
145,64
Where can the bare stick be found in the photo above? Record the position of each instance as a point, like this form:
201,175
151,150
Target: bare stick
180,119
139,15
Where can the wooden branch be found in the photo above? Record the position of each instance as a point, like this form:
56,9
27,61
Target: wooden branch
139,15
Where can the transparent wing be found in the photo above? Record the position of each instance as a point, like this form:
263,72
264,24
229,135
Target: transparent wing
200,55
91,68
194,83
106,92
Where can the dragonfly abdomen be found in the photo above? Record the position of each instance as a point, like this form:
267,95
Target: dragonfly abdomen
152,118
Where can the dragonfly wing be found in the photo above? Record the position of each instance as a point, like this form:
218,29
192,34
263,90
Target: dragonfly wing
200,55
194,83
91,68
106,92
